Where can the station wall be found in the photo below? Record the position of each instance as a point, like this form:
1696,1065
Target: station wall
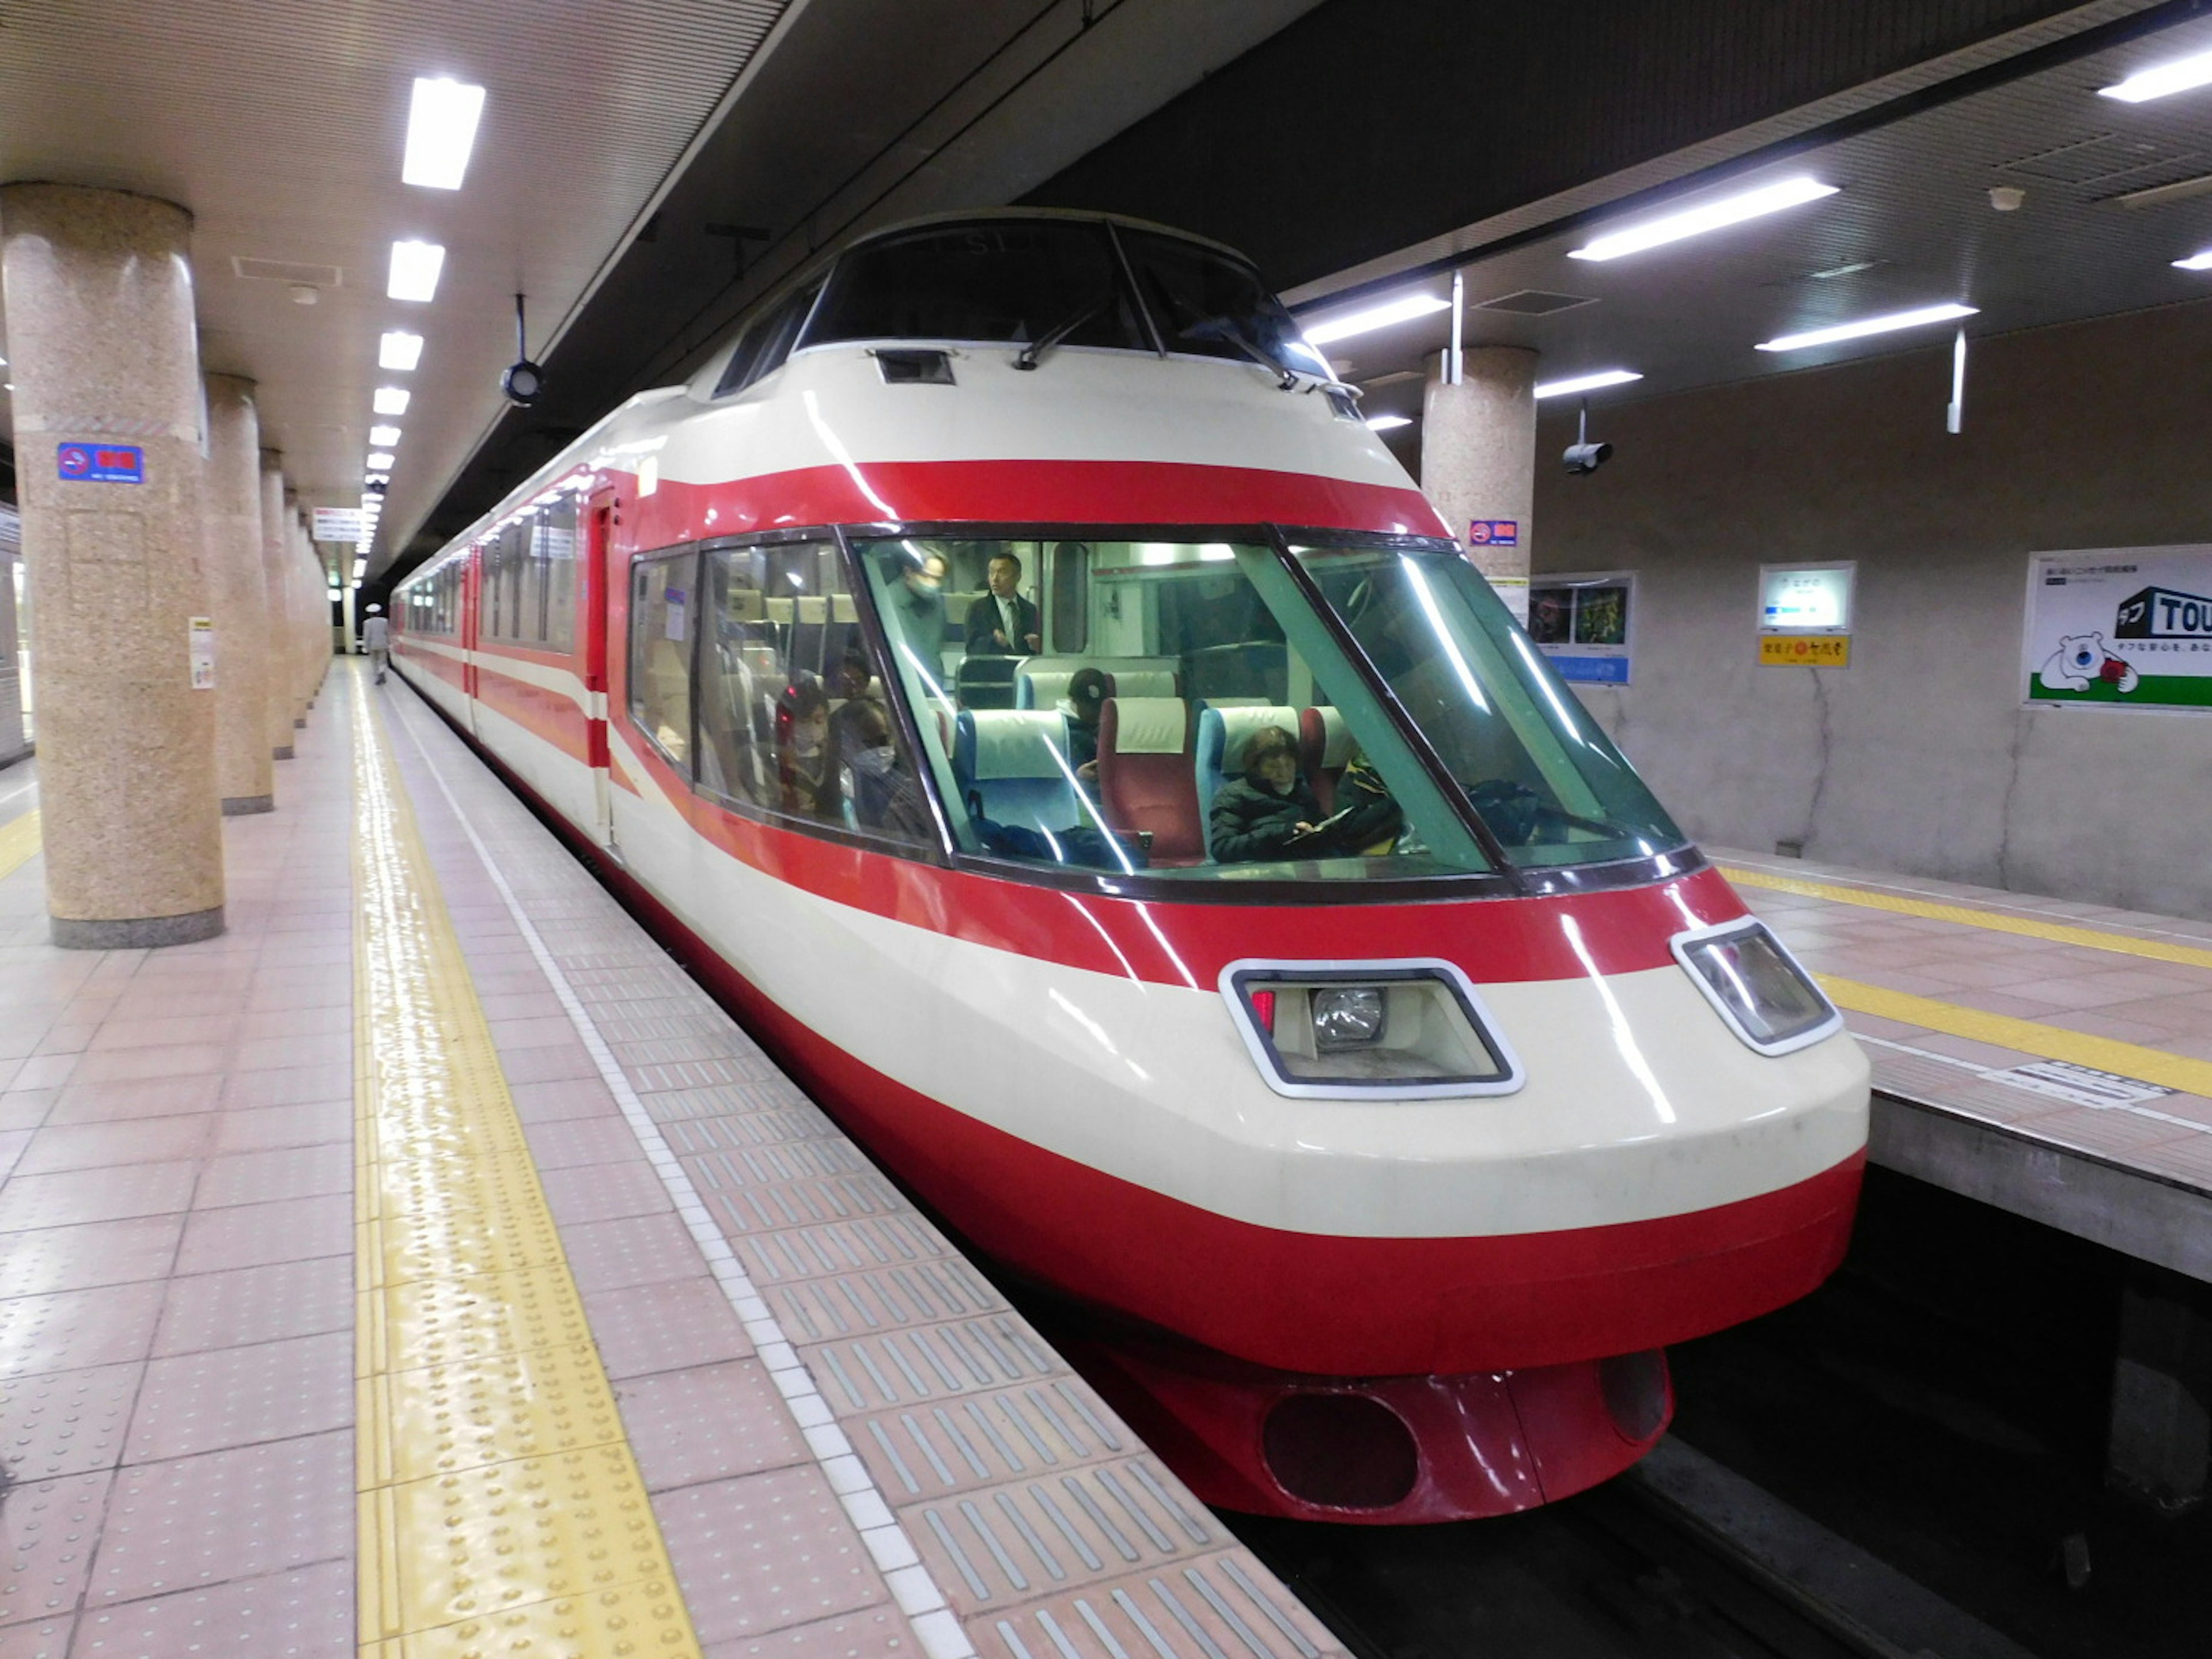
1919,757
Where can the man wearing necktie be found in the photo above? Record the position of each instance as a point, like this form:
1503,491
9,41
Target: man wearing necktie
1001,622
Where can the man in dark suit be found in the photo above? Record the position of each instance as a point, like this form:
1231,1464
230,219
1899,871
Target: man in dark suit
1002,623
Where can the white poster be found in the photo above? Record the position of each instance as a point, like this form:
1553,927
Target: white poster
2128,627
199,650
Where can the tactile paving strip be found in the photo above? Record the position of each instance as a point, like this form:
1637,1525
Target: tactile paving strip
500,1508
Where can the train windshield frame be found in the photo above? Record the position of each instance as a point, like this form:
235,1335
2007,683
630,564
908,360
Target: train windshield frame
1201,639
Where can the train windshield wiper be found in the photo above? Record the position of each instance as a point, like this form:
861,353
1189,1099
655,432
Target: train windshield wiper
1224,328
1058,332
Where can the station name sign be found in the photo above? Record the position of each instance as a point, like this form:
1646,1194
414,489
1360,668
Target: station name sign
2163,613
82,463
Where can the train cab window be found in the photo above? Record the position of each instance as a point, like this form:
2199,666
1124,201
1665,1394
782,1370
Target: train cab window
793,719
1144,750
768,342
661,652
1023,281
1208,305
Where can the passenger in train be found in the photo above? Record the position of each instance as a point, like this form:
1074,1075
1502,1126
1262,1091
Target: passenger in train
919,603
1001,622
1264,813
885,793
1368,819
1085,701
805,758
849,689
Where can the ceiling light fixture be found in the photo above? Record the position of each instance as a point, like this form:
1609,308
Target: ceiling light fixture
1895,319
390,400
414,270
2180,76
1388,422
1345,325
383,437
399,350
442,129
2195,262
1586,382
1714,215
379,461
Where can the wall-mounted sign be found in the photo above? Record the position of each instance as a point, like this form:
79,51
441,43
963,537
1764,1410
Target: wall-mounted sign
199,650
2127,627
1513,591
340,524
1494,532
1583,622
100,463
1806,599
1805,650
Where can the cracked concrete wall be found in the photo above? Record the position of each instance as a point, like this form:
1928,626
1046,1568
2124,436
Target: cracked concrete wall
1918,758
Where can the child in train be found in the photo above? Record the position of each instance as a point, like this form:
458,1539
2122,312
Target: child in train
1265,812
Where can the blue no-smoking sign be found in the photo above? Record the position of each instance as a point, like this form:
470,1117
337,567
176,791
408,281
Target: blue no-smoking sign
101,463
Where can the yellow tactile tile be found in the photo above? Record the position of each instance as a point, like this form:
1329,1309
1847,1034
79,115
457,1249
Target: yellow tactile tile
19,843
501,1508
1965,915
2190,1076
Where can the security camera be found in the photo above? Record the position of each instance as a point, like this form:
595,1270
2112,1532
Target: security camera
1586,458
1582,456
524,383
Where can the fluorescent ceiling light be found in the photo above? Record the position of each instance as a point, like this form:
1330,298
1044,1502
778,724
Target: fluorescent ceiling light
383,437
1388,422
2195,262
1714,215
2179,75
376,477
390,400
442,129
1586,382
1345,325
1895,319
415,268
399,350
379,459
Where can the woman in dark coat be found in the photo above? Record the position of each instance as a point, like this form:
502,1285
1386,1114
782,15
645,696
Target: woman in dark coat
1259,815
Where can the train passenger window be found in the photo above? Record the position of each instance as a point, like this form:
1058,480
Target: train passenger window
660,652
553,549
1020,281
791,715
1119,763
1208,305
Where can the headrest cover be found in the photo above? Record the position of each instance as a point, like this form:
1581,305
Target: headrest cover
1017,742
1150,726
1144,682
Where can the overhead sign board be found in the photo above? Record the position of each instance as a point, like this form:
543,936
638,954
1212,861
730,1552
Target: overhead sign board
2130,627
90,463
340,524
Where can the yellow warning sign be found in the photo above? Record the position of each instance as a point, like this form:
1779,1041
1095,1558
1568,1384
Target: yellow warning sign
1805,650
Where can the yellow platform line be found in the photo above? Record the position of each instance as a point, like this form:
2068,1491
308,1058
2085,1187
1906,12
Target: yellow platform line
1995,921
500,1509
2028,1036
19,842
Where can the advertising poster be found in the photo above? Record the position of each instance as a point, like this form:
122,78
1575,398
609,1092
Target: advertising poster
2127,627
1584,624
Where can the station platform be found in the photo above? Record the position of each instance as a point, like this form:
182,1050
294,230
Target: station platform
2051,1058
426,1268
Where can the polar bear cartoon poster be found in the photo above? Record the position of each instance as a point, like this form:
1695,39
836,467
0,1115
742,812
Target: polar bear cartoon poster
2127,628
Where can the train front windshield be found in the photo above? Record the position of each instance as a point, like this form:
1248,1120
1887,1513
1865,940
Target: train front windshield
1209,711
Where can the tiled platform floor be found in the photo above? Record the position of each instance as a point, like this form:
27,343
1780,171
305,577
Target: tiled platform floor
177,1409
2003,980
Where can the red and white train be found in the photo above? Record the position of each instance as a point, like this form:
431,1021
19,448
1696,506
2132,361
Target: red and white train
1382,1114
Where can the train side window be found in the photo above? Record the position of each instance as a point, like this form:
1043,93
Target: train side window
1068,583
661,652
792,715
553,545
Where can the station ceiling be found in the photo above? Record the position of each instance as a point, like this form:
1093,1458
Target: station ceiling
643,175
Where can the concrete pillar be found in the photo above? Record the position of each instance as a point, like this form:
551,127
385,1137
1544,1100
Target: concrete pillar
238,598
276,567
101,349
2161,1449
1479,451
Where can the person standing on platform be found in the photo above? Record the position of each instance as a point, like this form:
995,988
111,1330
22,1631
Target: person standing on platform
376,640
1002,623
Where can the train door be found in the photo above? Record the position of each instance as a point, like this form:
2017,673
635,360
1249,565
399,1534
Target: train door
472,595
598,540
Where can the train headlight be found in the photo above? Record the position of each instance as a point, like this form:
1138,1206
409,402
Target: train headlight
1406,1029
1757,987
1347,1016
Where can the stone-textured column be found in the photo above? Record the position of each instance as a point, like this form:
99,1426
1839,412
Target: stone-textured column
239,594
276,565
99,293
1479,451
